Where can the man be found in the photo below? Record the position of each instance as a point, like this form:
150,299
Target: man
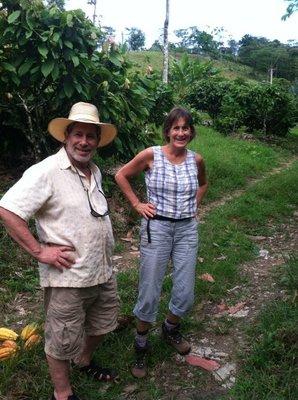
64,194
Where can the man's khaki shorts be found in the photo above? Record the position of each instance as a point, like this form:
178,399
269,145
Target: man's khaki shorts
72,313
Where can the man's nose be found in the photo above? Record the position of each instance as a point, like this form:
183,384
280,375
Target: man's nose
84,140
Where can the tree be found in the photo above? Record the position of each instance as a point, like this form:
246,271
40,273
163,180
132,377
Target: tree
165,70
198,42
136,38
44,60
59,3
265,55
292,7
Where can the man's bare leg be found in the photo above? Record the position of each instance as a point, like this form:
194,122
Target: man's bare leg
59,371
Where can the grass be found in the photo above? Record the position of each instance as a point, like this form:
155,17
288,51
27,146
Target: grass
269,370
231,162
228,69
224,233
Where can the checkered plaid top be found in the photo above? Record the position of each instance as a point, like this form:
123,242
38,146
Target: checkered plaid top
172,188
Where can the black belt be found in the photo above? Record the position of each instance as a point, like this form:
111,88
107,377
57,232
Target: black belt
162,218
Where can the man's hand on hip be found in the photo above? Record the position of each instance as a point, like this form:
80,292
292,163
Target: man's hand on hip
57,256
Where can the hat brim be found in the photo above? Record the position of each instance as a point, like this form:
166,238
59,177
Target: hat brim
57,128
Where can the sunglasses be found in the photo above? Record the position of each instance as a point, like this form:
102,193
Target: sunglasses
93,212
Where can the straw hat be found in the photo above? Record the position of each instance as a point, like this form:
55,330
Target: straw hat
82,112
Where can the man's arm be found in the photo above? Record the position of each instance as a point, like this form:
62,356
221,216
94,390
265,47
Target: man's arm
57,256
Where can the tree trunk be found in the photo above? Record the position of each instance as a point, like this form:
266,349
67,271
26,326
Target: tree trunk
166,45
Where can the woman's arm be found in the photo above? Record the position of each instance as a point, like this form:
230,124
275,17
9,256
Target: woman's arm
139,163
203,184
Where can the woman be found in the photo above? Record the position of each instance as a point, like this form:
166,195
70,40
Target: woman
176,183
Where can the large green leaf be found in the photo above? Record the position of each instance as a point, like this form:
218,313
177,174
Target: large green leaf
24,68
69,19
14,16
56,37
43,50
115,60
68,89
55,72
75,60
47,67
8,67
68,44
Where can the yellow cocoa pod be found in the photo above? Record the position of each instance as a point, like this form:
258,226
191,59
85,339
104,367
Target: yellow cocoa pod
7,352
8,334
28,331
32,340
9,343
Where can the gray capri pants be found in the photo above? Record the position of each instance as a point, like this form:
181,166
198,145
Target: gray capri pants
177,241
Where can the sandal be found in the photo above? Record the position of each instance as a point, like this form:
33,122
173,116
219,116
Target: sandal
98,373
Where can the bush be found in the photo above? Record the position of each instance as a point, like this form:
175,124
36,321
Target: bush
255,106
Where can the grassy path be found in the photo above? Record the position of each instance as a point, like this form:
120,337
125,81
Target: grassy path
205,208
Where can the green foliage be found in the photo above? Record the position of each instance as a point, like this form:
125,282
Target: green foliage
48,62
136,38
292,7
185,72
255,107
263,54
197,42
43,66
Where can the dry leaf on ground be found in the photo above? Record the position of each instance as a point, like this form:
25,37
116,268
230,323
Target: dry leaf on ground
207,277
236,308
208,365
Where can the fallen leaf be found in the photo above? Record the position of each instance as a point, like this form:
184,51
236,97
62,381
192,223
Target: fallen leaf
200,259
134,248
135,253
222,307
207,277
125,239
236,308
222,257
129,234
208,365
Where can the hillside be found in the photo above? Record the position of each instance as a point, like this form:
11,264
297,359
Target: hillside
228,69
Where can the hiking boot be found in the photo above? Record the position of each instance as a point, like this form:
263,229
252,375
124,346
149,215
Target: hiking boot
174,338
139,368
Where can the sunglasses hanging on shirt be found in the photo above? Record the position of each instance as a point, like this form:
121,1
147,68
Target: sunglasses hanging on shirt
93,212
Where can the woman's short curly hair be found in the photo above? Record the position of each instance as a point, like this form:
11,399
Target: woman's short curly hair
173,116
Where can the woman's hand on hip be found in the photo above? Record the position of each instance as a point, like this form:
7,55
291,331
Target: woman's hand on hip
147,210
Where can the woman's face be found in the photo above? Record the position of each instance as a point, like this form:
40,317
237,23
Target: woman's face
179,134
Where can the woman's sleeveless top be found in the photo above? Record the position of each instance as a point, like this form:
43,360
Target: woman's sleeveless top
172,188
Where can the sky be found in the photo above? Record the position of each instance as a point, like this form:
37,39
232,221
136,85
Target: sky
237,17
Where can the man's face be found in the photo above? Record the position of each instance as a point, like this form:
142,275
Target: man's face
81,143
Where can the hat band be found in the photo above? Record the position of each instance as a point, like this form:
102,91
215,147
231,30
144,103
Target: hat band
82,118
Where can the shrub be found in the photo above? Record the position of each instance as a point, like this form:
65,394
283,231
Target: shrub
255,106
